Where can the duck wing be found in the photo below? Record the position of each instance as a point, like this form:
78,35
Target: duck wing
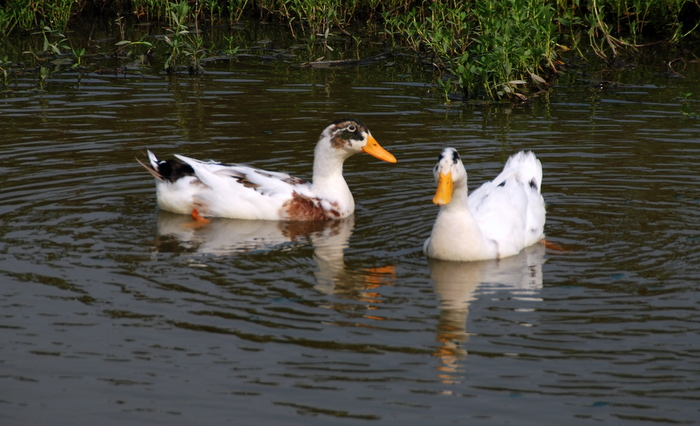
510,208
235,190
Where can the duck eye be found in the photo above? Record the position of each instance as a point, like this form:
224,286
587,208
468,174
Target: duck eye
351,128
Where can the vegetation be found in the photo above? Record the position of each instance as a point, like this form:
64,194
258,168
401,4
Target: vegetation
490,49
476,49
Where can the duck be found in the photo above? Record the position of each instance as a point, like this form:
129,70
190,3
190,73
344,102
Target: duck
207,189
497,220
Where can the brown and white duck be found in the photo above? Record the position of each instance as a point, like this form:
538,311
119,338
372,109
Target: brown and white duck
212,189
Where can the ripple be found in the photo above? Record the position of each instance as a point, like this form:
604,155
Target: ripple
107,299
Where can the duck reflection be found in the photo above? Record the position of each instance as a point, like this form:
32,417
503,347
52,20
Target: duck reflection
228,236
456,282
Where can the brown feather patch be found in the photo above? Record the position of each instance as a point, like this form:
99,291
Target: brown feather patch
290,180
306,208
245,182
294,181
345,130
242,178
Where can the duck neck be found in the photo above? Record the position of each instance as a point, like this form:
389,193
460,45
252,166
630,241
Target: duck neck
457,213
460,195
456,234
328,182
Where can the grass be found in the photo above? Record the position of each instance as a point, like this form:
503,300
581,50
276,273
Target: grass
481,49
181,42
478,52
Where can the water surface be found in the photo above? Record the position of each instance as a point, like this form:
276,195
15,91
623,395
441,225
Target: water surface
114,312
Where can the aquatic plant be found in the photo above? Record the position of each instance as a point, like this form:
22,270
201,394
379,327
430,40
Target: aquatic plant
181,41
130,46
231,49
483,48
479,51
29,14
606,19
618,24
686,106
4,71
44,73
78,54
53,43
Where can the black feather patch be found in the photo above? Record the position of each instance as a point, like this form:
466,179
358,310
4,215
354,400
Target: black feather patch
454,155
173,170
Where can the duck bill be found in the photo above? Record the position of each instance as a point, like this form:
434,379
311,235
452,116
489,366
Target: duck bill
374,149
443,194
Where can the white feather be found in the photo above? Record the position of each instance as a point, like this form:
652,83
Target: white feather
245,192
497,220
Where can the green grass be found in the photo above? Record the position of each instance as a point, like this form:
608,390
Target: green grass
481,49
478,52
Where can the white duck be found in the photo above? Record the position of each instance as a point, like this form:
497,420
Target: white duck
238,191
497,220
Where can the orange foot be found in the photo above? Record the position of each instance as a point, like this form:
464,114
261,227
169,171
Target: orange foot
553,246
199,219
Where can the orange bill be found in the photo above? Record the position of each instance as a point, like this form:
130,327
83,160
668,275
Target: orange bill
443,194
374,149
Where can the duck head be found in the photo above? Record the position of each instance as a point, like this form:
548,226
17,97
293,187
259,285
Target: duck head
448,171
349,136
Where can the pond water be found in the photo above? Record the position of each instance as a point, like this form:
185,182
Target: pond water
115,313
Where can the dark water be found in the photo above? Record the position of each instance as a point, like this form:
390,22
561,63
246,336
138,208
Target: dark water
113,312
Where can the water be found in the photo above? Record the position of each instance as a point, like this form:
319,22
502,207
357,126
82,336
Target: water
114,312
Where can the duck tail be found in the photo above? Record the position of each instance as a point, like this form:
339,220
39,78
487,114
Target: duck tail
170,170
152,165
527,168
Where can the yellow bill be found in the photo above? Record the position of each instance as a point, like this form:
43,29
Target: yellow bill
374,149
443,194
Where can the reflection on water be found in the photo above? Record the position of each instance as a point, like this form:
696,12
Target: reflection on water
328,239
456,283
228,236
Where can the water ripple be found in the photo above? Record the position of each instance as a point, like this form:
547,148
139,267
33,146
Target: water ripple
107,299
